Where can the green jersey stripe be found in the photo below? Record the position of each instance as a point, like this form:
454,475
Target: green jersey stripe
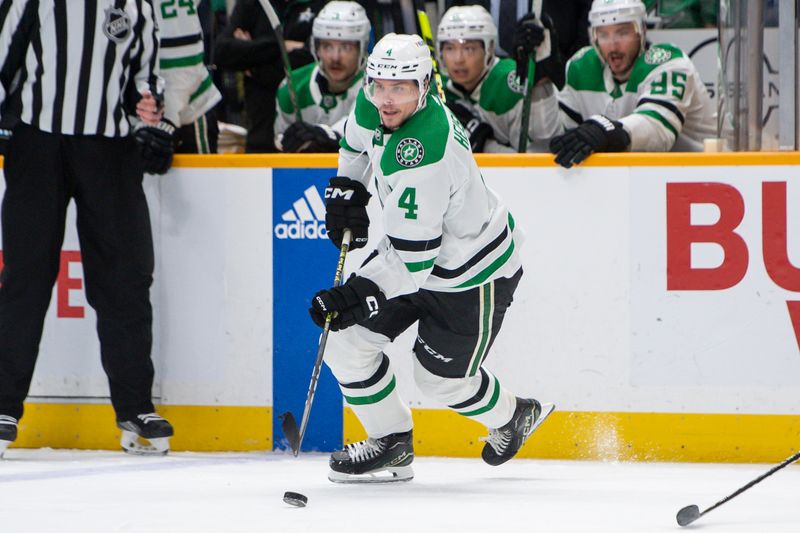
207,83
657,116
484,274
420,265
177,62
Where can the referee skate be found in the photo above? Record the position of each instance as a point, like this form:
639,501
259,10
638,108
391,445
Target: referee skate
146,434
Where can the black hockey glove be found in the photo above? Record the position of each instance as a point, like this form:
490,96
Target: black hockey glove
309,138
528,35
155,144
479,132
346,207
355,301
597,134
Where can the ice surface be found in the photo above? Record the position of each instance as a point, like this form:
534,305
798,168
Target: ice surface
63,491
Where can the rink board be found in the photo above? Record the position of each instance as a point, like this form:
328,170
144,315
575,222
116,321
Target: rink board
660,310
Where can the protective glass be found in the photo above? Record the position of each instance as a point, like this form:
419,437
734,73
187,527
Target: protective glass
326,47
391,92
621,34
452,50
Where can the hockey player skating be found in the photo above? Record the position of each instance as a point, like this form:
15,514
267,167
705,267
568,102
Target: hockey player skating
449,261
327,88
484,91
622,94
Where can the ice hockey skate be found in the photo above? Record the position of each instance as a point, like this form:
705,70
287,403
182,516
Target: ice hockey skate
147,434
383,460
504,442
8,432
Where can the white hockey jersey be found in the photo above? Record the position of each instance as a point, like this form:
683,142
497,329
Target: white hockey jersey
498,99
663,105
445,229
189,91
317,104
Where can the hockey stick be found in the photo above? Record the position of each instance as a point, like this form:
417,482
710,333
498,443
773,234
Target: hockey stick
427,36
289,425
535,7
690,513
277,27
522,146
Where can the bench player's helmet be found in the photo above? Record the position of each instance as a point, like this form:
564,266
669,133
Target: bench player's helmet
468,23
608,12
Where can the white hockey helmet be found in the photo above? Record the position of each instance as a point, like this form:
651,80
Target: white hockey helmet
608,12
399,57
342,21
468,23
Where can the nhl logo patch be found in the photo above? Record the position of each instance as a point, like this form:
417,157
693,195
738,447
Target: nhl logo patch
377,137
656,56
328,102
514,83
409,152
117,25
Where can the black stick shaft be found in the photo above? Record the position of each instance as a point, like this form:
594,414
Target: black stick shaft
757,480
337,280
277,27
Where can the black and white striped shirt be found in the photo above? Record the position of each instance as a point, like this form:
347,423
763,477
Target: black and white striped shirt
77,67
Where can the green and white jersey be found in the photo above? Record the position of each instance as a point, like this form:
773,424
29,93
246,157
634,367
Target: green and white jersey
317,104
663,105
189,91
497,100
445,229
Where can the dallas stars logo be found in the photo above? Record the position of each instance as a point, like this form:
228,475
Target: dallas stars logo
656,56
513,83
409,152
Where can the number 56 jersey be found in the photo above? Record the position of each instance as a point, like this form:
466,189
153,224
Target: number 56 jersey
445,229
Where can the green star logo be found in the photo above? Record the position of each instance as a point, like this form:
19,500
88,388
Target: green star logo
409,152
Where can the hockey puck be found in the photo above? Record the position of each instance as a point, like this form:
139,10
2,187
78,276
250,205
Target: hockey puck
295,498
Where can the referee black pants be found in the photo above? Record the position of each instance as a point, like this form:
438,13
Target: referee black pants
104,176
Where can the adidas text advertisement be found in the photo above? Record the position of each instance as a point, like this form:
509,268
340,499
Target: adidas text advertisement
306,218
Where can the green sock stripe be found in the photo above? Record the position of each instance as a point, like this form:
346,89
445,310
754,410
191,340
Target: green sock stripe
374,398
488,406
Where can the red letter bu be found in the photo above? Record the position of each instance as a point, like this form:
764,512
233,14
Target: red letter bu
681,234
65,284
774,238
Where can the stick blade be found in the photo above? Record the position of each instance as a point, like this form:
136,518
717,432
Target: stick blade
687,515
290,431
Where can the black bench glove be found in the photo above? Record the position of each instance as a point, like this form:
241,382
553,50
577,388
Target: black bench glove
597,134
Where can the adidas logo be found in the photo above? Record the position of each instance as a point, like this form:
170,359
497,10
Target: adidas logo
306,219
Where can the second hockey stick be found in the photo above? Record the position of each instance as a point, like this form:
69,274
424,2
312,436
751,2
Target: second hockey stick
289,425
690,513
277,27
427,36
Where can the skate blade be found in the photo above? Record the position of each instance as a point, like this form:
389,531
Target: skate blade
386,475
3,446
547,410
132,444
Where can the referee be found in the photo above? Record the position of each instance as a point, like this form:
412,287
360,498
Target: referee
74,76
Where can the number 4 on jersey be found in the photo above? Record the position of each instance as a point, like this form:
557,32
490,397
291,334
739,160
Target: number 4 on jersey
408,201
